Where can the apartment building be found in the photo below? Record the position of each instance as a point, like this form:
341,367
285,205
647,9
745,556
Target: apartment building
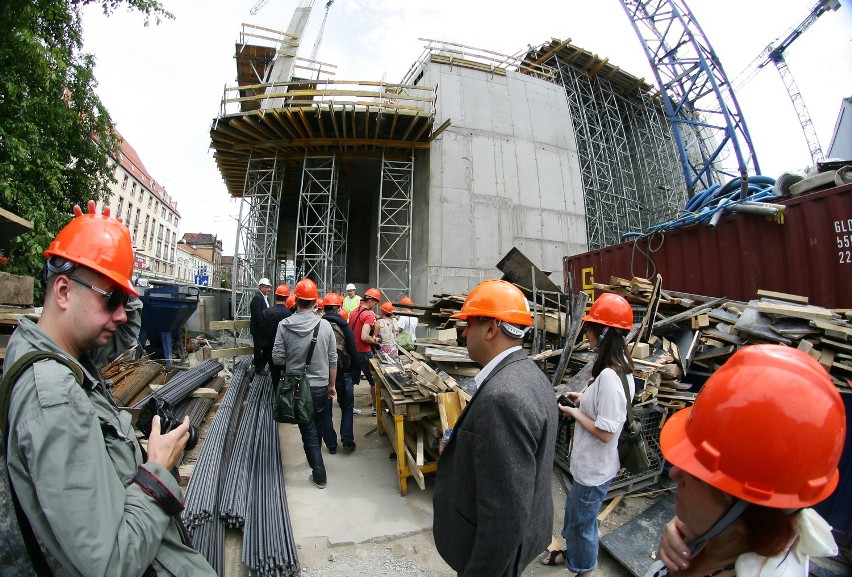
193,267
149,212
209,248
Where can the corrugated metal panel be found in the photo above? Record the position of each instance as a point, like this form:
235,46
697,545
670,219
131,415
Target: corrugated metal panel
810,254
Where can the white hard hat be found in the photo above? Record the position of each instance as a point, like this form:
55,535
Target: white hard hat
350,287
264,281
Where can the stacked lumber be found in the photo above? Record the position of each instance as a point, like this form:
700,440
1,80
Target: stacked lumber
702,333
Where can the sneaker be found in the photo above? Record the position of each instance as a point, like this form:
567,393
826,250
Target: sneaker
356,411
373,411
332,450
350,447
319,485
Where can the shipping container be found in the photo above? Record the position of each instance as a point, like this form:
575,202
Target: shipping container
810,254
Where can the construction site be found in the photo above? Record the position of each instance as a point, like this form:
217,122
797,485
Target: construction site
552,168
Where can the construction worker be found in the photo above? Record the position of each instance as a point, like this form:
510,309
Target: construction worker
492,500
346,352
95,505
599,414
388,329
407,325
362,321
351,301
759,447
259,303
292,346
271,317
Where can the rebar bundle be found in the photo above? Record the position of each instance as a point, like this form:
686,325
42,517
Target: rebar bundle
196,408
201,505
130,383
269,548
181,385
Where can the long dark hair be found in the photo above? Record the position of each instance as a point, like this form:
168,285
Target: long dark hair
612,351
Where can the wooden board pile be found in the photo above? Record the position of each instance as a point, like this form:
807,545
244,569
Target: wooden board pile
683,332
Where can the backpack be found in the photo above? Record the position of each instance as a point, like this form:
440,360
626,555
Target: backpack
344,361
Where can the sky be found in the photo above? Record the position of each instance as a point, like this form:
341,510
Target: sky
163,84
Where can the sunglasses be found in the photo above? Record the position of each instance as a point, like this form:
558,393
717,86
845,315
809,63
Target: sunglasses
114,299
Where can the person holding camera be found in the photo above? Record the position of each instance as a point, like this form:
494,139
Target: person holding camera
599,415
492,501
90,501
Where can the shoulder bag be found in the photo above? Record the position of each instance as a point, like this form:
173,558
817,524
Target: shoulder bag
632,452
293,401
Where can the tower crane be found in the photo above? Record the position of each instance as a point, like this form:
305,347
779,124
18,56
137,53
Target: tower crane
315,51
258,5
774,53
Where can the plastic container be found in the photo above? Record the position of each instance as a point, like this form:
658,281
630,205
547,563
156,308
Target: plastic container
165,310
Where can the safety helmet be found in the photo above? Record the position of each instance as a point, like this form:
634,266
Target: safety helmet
333,300
264,282
291,301
350,287
306,289
767,427
98,242
373,293
320,302
387,307
343,314
496,299
611,310
282,290
406,301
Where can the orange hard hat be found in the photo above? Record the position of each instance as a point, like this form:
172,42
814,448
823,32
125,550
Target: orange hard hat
406,301
767,427
282,290
342,312
291,301
333,299
306,289
373,293
611,310
320,302
496,299
387,307
98,242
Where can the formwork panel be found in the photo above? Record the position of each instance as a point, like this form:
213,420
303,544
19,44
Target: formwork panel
807,255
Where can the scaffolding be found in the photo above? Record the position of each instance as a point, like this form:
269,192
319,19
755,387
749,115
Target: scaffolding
257,231
393,256
315,222
627,157
340,233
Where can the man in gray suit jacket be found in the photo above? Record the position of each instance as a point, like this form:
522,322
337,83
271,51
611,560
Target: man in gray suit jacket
492,500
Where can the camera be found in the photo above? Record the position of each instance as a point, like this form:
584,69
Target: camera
168,421
565,402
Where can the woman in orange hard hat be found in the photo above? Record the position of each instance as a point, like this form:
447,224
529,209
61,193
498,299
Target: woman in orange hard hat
388,329
760,445
599,415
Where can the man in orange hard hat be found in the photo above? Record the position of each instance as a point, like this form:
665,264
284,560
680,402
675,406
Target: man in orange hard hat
94,504
363,321
271,317
492,500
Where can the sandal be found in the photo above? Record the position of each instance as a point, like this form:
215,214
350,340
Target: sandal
550,560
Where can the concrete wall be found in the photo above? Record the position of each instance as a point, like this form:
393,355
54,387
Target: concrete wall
505,173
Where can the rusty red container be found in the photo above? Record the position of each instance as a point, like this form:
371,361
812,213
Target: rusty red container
809,255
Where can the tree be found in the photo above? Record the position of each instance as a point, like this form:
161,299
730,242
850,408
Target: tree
56,136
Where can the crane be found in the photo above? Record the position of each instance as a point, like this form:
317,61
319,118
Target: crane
321,30
258,5
774,53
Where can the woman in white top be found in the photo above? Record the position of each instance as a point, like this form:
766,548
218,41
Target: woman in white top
599,414
387,329
760,446
407,324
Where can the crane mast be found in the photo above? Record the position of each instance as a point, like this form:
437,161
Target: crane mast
315,51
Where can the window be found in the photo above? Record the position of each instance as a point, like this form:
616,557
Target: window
127,216
124,182
151,243
120,205
133,190
150,200
136,222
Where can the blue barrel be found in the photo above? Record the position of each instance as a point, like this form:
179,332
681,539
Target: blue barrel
165,311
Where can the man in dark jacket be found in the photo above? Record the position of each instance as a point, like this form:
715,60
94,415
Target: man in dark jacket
271,317
343,384
259,303
492,500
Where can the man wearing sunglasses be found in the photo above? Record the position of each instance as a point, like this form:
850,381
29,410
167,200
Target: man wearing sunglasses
94,502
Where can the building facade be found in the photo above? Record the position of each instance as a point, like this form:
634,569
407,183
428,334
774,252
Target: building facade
192,266
208,248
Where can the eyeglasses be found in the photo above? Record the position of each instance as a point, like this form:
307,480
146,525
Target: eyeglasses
114,299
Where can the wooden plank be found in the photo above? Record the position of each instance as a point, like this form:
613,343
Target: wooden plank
235,352
713,352
609,508
756,324
796,311
16,289
826,358
688,314
723,336
802,300
836,327
420,460
414,469
229,325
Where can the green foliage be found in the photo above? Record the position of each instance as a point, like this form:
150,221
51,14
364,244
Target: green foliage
55,134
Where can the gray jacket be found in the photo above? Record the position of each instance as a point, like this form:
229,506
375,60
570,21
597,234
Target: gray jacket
492,500
72,459
291,347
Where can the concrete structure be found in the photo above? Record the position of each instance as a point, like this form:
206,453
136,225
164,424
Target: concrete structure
150,213
422,187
